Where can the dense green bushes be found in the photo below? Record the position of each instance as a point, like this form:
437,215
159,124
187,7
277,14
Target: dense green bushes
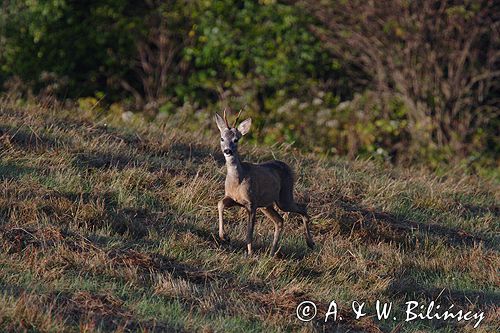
85,45
349,78
439,57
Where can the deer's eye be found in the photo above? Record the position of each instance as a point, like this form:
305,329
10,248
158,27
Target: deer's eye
235,140
221,139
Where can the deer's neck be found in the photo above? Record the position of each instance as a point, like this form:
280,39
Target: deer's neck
234,168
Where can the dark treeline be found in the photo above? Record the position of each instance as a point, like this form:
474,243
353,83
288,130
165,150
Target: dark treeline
397,80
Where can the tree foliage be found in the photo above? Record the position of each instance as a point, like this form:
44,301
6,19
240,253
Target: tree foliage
87,43
393,79
439,57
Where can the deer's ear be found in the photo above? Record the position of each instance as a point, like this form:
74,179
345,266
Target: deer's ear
244,127
221,124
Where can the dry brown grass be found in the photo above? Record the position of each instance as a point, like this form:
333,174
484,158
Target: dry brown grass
111,226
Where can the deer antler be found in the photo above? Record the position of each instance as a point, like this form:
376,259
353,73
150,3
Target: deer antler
236,120
225,118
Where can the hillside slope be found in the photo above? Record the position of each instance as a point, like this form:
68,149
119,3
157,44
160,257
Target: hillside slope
112,226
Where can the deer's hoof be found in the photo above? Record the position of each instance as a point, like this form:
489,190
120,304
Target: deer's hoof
274,253
225,239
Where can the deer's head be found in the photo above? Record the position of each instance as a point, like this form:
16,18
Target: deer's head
230,135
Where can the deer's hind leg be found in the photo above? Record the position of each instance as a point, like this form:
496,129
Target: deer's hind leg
278,226
293,207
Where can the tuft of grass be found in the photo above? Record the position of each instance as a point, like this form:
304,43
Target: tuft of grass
111,226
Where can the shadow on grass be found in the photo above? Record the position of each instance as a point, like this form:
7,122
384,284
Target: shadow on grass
469,210
98,160
209,236
150,264
261,247
27,139
10,170
95,211
193,152
123,161
82,309
382,226
407,286
296,250
121,220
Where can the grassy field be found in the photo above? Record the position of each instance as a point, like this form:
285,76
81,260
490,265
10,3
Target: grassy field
111,226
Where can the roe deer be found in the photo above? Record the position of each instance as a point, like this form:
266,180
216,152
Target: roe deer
255,186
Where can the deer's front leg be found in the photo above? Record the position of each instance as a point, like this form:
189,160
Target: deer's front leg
251,223
226,202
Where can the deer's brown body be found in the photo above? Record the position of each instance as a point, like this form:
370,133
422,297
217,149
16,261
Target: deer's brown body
254,186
